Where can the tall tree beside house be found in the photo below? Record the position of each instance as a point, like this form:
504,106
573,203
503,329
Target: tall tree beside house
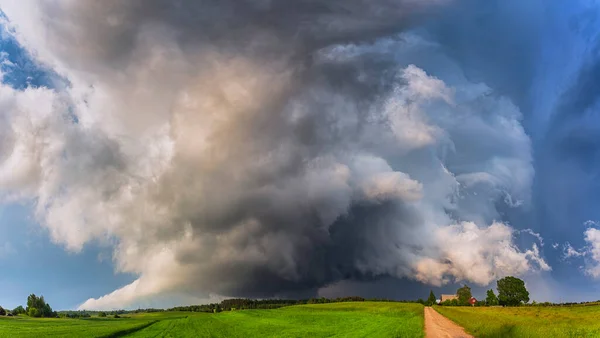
512,291
464,294
431,300
491,298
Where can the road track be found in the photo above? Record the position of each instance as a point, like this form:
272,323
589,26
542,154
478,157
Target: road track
438,326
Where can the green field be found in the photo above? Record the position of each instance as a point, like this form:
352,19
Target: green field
352,319
23,326
483,322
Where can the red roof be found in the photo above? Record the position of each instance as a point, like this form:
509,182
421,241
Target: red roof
472,300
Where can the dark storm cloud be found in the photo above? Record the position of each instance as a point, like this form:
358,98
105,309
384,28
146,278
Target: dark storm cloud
262,148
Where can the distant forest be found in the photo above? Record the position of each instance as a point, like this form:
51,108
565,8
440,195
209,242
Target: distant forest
233,304
243,303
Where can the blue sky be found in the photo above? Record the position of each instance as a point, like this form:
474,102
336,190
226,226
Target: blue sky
33,264
197,166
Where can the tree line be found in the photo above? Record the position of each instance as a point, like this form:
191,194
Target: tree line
36,307
247,304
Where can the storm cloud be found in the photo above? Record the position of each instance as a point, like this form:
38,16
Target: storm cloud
256,148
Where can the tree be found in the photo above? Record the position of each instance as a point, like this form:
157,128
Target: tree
431,300
464,294
18,310
102,314
512,291
42,309
491,298
2,311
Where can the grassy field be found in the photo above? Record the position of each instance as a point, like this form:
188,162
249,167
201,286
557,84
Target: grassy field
483,322
360,319
54,327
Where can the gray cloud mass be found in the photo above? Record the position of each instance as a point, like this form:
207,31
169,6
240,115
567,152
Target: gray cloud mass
256,148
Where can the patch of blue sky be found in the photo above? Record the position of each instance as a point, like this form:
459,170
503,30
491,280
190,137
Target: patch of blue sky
18,69
34,264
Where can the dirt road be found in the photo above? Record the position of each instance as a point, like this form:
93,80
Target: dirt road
438,326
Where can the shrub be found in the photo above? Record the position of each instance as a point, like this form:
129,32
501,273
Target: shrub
102,314
2,311
34,312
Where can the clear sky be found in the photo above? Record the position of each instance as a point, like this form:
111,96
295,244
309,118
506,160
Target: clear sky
163,153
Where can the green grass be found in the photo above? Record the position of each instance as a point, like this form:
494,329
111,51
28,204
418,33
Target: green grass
356,319
484,322
54,327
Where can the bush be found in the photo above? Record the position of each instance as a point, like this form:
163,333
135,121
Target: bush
117,316
34,312
102,314
2,311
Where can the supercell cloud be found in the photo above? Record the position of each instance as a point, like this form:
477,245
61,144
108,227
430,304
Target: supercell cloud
256,148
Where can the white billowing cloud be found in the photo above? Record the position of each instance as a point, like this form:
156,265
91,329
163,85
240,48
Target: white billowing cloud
592,238
26,150
404,108
590,253
480,255
259,161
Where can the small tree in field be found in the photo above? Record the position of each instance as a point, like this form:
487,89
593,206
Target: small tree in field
464,294
18,310
431,300
512,291
491,298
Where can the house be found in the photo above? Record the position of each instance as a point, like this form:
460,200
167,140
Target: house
448,297
472,301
